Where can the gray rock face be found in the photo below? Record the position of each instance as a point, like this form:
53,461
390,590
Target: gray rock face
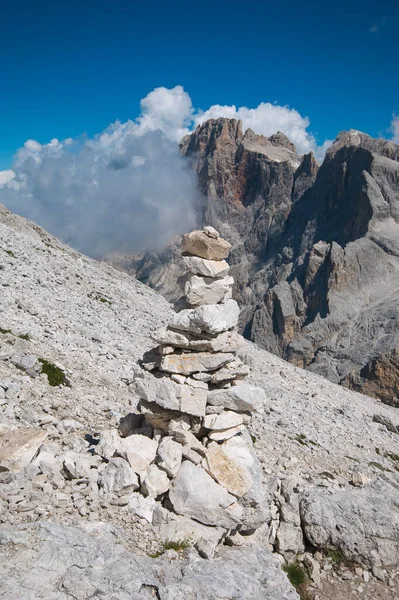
315,251
196,495
78,565
365,528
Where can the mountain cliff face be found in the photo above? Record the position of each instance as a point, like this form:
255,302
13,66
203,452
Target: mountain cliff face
315,248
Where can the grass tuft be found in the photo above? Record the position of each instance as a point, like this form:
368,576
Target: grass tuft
177,546
55,375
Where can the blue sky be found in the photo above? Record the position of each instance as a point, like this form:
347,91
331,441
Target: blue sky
69,68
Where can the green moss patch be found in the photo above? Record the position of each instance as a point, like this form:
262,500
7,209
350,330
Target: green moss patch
55,375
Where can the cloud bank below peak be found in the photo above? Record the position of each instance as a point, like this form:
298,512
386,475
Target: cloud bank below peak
127,189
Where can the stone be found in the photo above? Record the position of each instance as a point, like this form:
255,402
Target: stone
213,318
362,522
225,420
225,434
244,397
289,539
109,444
358,479
206,268
19,446
139,451
229,472
175,528
118,477
155,482
191,455
206,290
195,383
227,341
194,362
204,377
142,506
49,561
169,456
211,232
158,418
193,493
231,370
172,396
180,379
200,244
185,437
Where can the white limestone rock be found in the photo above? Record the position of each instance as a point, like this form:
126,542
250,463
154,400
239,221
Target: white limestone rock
195,362
109,444
232,370
172,396
142,506
225,420
201,244
206,290
19,446
193,493
139,451
227,341
169,456
155,483
118,477
229,465
176,528
243,397
213,318
206,268
225,434
211,232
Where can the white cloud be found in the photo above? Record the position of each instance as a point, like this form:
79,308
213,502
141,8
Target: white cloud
395,128
267,119
127,188
6,177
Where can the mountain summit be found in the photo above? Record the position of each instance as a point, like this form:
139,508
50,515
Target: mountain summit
315,249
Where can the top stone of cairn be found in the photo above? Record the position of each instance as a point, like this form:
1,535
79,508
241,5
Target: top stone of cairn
206,244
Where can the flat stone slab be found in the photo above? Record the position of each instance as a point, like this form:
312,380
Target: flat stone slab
229,466
200,244
228,341
205,267
206,290
213,318
241,398
193,362
172,396
19,446
193,493
139,451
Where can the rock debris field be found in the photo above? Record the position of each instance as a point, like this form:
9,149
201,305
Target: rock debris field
146,453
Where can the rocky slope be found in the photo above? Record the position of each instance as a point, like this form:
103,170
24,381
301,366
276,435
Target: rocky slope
315,249
73,524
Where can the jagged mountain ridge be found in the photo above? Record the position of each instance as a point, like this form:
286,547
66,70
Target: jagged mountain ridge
315,248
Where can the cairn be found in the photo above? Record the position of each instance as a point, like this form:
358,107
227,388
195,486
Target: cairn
196,403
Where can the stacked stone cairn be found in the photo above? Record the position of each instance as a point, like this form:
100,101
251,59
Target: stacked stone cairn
196,454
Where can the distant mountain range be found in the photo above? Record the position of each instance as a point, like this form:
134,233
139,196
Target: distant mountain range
315,248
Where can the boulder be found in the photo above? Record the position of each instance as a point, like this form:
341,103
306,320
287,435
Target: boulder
142,506
171,396
206,290
109,444
362,522
118,477
228,341
201,244
194,362
169,456
206,268
213,318
231,370
155,482
211,232
243,397
175,528
193,493
139,451
225,420
19,446
225,434
227,467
